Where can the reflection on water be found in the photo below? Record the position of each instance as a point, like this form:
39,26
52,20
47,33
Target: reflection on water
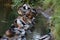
35,34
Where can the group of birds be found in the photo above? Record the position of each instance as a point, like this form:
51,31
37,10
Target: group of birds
23,24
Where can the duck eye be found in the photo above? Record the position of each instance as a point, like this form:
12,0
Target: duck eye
24,8
28,8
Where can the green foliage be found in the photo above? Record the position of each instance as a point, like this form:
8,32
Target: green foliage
57,19
47,3
36,2
16,3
